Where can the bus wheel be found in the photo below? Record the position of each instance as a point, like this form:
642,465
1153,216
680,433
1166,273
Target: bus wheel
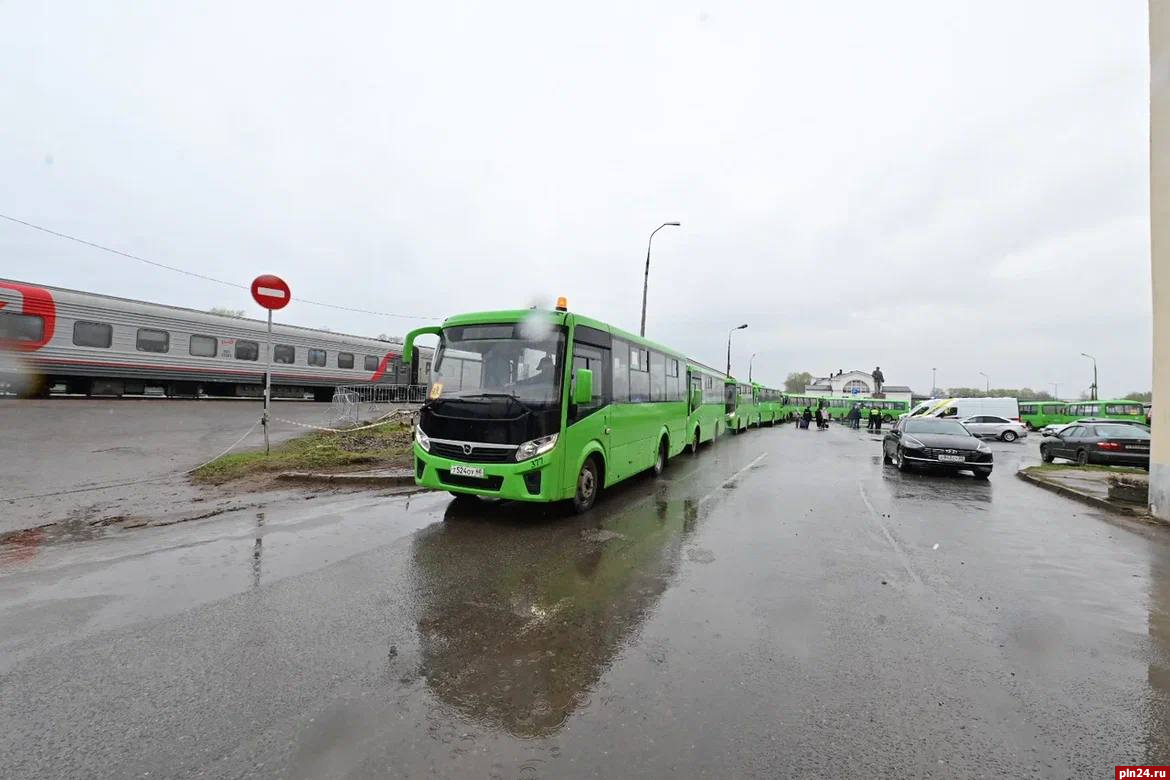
660,461
695,443
588,485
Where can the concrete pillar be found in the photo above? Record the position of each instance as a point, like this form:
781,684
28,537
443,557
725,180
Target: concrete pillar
1160,251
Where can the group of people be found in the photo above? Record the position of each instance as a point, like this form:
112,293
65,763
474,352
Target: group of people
823,417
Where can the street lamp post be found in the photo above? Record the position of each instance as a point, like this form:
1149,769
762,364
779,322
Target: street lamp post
987,390
750,361
1055,390
933,381
1093,389
646,278
733,330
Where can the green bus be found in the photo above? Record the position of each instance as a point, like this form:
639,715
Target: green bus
535,405
742,406
1037,414
708,418
771,405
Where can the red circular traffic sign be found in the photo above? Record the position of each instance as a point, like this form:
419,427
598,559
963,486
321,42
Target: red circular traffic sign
271,292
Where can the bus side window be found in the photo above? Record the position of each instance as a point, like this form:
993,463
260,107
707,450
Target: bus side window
621,372
594,359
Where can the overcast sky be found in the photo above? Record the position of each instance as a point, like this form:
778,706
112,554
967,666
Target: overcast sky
911,184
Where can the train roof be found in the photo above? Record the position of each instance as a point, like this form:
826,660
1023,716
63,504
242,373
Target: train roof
204,315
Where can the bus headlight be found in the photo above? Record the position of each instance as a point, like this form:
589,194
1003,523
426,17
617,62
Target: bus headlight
530,449
422,439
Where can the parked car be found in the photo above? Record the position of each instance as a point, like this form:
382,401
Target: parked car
1112,443
989,426
1055,427
941,444
961,408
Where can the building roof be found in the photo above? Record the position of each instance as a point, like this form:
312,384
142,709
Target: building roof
895,389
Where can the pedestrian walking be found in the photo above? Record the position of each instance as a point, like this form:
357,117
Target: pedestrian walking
855,417
820,419
805,417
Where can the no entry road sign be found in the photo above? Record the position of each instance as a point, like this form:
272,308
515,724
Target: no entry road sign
271,292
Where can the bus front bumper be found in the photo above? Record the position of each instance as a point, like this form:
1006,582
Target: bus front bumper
530,480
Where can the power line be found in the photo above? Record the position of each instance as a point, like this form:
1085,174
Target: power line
157,264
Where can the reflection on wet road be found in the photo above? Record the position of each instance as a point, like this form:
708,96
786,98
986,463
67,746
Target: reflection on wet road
780,605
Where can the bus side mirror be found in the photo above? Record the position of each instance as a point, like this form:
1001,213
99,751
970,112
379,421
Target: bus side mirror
583,387
696,397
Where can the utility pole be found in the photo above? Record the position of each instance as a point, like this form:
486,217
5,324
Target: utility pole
646,277
733,330
750,361
1093,389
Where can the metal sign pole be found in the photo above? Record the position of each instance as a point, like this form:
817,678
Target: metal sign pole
268,384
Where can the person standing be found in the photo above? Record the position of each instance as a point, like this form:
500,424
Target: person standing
805,417
820,415
855,417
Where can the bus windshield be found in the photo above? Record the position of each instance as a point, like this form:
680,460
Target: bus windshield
509,359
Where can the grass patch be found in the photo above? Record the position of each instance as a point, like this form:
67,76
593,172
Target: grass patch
1072,467
383,447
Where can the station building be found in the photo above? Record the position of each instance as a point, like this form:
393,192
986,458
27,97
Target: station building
859,383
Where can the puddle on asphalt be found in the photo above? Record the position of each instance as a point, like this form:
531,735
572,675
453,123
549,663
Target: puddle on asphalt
517,628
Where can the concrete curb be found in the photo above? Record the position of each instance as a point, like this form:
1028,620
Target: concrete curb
402,478
1084,498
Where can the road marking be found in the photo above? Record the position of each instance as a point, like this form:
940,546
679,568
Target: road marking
731,479
877,518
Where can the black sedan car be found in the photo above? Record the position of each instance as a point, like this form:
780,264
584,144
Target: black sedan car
939,444
1116,443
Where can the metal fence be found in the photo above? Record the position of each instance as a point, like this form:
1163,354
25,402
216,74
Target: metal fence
353,402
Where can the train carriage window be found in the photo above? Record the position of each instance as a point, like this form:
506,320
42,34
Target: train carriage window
317,357
283,353
93,334
151,340
21,327
371,363
345,360
247,350
204,346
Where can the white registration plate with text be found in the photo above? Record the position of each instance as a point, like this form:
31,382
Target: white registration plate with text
467,471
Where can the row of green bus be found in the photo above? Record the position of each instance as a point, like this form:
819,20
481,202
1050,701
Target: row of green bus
536,405
1038,414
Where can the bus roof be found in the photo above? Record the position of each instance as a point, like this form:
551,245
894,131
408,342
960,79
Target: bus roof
557,318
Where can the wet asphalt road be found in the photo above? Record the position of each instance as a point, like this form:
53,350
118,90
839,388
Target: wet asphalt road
66,446
781,605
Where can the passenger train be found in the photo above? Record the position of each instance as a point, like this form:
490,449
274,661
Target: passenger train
101,345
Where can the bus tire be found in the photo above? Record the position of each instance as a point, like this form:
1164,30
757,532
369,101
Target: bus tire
695,443
588,486
663,454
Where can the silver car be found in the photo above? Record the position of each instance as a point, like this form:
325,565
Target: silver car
989,426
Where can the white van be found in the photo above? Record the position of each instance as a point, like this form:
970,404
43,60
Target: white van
962,408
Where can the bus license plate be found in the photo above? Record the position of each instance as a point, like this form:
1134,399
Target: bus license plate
467,471
951,458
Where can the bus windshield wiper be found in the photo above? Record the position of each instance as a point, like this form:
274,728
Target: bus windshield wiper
509,396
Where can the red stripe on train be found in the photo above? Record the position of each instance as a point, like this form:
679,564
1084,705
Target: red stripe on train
37,301
378,374
259,373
